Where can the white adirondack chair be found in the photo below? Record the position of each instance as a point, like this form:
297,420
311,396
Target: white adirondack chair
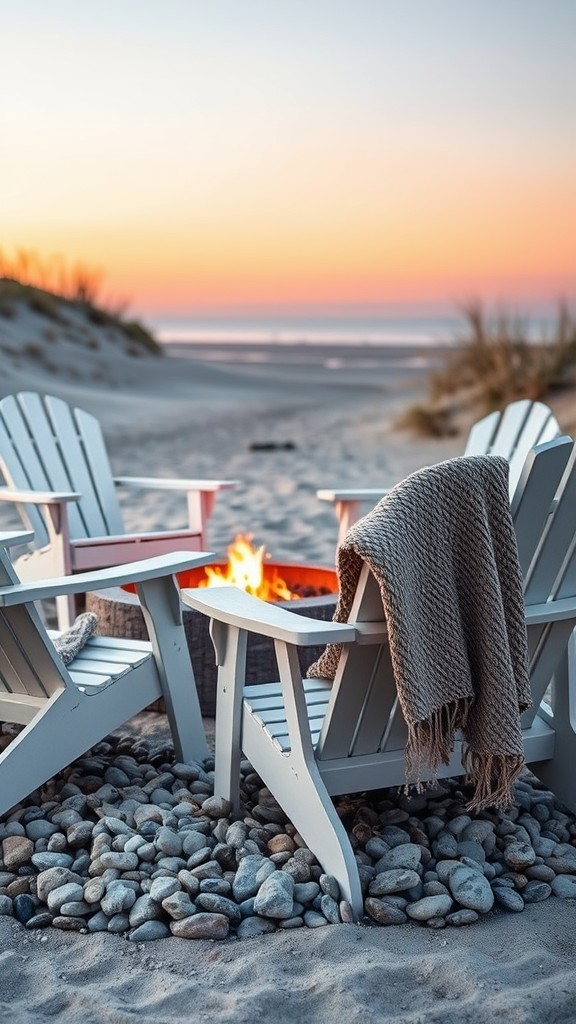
55,463
510,433
66,710
309,739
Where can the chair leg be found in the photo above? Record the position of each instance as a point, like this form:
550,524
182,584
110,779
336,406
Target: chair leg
558,773
69,724
300,791
45,746
160,601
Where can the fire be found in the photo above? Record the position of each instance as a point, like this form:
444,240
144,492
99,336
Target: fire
245,569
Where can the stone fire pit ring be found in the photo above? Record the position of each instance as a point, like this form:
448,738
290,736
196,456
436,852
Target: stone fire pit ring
119,614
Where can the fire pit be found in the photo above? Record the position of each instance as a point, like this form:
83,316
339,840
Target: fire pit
313,590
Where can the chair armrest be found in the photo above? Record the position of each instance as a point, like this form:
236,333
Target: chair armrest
100,579
360,494
9,538
237,608
110,539
551,611
37,497
165,484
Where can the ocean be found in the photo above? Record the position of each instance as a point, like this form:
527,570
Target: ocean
414,330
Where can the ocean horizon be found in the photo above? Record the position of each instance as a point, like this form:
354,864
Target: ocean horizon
431,330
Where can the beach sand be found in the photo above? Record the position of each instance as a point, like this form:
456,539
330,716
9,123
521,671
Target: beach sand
184,417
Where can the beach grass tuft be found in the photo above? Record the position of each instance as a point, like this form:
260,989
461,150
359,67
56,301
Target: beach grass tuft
493,363
51,288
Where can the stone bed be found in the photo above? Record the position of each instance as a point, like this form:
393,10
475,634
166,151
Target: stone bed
129,842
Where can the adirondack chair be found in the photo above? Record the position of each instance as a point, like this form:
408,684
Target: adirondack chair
55,463
310,739
66,710
511,433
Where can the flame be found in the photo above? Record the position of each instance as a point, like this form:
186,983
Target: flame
245,569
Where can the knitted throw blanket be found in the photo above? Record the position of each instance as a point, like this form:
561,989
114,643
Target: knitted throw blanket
72,640
443,549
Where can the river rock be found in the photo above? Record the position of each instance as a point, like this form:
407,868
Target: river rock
384,913
16,850
201,926
508,898
252,871
519,856
564,886
428,907
149,931
405,855
275,897
471,889
395,880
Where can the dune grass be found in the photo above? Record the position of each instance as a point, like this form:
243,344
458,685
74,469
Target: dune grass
495,362
51,288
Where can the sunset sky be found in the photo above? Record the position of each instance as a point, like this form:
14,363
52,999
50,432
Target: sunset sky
229,155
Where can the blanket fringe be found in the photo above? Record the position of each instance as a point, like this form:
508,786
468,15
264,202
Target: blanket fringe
430,744
493,776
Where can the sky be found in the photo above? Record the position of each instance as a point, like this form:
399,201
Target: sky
213,156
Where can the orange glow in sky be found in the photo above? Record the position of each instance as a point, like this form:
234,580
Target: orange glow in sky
216,156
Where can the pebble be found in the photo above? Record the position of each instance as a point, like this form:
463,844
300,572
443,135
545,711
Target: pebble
405,855
6,906
118,897
179,905
312,919
395,880
519,856
508,898
144,909
64,894
16,850
250,927
461,917
383,912
564,886
24,908
429,907
252,870
149,931
471,889
535,892
140,847
219,905
202,926
275,896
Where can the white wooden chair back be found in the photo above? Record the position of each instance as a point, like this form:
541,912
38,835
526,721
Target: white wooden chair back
363,716
46,445
512,433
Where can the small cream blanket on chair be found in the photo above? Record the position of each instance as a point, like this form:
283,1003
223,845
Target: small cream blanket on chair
443,549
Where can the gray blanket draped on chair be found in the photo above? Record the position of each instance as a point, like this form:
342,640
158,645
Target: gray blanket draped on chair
443,549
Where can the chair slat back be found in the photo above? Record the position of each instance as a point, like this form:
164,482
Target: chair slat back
79,439
512,434
358,716
552,569
482,434
45,445
546,645
534,495
540,426
29,663
363,715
